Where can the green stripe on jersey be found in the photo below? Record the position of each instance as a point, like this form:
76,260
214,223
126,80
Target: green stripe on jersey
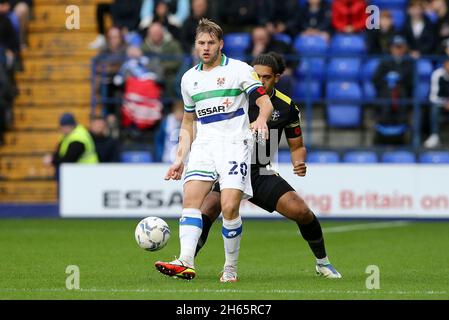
200,171
216,94
189,107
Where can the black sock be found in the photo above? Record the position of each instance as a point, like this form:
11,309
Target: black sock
313,234
207,224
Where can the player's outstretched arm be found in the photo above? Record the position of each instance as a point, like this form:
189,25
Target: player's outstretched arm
298,155
186,137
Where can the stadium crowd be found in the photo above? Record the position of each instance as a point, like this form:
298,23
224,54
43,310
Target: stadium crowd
149,46
14,17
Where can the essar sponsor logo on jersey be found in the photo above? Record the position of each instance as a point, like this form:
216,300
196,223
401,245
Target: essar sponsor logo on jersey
211,110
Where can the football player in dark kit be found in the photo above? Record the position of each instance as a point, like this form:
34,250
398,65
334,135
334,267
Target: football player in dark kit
270,191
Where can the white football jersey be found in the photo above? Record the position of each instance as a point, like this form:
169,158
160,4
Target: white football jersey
219,98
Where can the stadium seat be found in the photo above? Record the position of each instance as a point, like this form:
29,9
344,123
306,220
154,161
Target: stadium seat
389,4
423,90
343,91
304,90
344,115
424,68
284,156
306,44
136,157
434,157
368,69
348,44
391,130
343,69
360,157
323,157
314,68
398,16
236,43
283,37
369,91
398,157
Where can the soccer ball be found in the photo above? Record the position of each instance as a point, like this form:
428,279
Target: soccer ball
152,233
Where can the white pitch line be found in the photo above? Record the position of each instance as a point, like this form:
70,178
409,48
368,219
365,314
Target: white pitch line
272,291
366,226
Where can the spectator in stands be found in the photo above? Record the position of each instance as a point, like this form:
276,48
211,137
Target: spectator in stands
280,18
263,42
349,16
126,14
442,26
5,94
393,80
238,15
75,146
160,45
314,18
103,9
188,30
418,30
171,13
378,40
22,10
138,66
110,60
166,140
107,147
439,97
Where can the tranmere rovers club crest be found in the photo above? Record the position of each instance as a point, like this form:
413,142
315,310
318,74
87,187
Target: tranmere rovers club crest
221,82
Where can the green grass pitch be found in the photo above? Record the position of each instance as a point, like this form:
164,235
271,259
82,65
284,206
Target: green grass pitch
275,263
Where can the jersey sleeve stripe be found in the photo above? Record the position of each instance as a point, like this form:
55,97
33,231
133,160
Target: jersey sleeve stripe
216,94
252,87
189,108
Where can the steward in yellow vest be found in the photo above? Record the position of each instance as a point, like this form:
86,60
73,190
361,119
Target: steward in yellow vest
76,145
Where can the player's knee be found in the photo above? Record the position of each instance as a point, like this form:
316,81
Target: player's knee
230,210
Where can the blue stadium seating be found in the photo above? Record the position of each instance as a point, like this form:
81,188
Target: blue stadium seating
343,91
391,130
398,157
283,37
344,69
344,115
423,90
434,157
323,157
303,90
369,67
398,16
424,68
389,4
236,43
307,44
369,91
136,157
360,157
284,156
314,68
347,44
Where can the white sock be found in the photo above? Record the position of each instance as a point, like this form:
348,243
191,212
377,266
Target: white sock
324,261
190,228
232,233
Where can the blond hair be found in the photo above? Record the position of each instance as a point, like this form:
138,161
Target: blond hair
207,26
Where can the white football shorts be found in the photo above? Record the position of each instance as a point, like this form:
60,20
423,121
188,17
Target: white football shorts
229,162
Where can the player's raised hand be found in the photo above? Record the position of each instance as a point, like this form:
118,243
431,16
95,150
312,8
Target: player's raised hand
299,168
260,128
175,171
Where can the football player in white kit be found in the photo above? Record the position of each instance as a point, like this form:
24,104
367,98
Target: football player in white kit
216,94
